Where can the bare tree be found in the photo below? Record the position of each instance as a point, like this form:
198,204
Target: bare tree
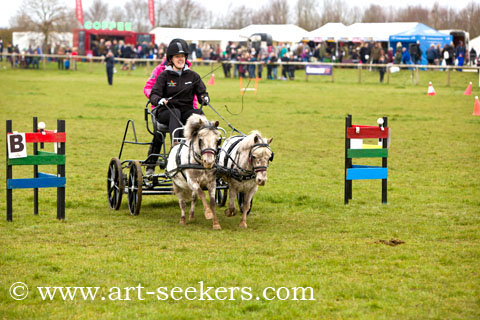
275,12
468,19
117,14
44,16
237,18
414,14
374,13
308,17
353,15
186,14
333,11
98,11
137,13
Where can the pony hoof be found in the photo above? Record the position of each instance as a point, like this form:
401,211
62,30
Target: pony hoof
208,215
230,213
182,221
217,227
243,225
191,218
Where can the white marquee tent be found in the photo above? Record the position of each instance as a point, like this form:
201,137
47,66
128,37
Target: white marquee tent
335,31
475,43
222,36
34,39
279,32
376,31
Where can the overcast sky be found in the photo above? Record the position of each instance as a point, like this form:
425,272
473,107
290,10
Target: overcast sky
8,8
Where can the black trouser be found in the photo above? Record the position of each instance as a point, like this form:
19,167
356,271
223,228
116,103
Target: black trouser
164,116
110,75
381,70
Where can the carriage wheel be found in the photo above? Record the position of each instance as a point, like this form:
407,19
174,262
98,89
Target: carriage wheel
115,184
240,200
221,194
135,182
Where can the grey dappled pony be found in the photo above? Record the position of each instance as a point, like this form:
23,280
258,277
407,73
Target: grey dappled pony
191,166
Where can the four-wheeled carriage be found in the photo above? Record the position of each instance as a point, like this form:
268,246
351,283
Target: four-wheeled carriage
127,176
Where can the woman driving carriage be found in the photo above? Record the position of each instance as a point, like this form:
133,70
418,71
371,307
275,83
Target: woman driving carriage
173,94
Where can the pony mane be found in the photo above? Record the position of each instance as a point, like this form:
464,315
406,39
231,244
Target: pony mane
193,125
249,140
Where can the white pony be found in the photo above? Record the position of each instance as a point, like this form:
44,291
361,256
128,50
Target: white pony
243,163
191,166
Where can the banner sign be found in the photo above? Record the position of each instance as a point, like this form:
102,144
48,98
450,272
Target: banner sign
17,147
108,25
318,70
79,11
151,12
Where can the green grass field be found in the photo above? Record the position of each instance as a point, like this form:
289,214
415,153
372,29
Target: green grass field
300,234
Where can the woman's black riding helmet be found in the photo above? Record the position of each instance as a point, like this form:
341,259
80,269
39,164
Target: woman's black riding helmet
177,46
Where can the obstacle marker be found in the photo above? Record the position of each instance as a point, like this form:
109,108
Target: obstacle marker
354,148
468,91
476,107
212,80
431,90
242,89
17,155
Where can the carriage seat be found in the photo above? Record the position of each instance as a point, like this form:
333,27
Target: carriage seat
160,126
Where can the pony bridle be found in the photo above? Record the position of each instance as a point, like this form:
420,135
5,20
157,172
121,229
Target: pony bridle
206,150
251,157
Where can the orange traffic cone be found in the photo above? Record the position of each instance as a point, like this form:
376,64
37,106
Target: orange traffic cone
212,80
476,107
431,91
468,91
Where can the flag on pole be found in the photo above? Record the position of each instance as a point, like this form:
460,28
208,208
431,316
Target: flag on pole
151,12
79,11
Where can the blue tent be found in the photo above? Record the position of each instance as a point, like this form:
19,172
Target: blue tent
425,35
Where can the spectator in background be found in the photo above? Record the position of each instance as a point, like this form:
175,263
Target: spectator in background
415,52
60,51
382,69
16,50
242,68
110,60
473,56
1,49
460,52
28,57
272,66
252,67
390,55
376,53
450,55
364,53
354,56
438,54
406,59
398,53
431,54
10,58
36,59
225,57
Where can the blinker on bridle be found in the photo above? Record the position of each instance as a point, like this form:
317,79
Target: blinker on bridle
250,156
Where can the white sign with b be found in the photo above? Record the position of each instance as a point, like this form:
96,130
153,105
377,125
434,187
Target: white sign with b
17,147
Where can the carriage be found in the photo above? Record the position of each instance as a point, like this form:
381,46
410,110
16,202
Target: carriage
127,176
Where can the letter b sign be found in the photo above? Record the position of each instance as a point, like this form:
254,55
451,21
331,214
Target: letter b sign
16,145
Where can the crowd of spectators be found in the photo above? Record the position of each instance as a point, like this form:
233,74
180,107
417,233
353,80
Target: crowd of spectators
267,57
24,58
364,52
